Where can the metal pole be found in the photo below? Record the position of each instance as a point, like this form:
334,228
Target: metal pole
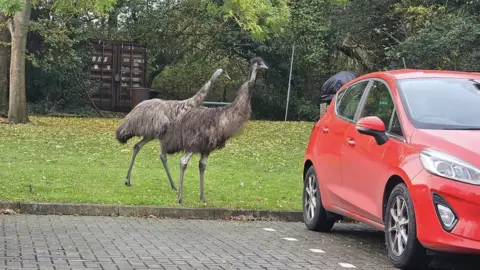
288,92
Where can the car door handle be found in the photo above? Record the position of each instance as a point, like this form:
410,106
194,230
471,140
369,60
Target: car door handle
325,129
351,142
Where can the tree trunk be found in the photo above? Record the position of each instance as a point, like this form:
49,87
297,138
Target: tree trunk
4,59
17,112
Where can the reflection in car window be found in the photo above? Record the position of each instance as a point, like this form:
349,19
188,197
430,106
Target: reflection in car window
350,100
395,128
442,103
379,103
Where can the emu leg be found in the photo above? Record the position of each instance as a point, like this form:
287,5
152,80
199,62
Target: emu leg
183,166
201,166
136,149
163,158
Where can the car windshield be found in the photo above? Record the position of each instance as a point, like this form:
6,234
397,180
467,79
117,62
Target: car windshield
442,103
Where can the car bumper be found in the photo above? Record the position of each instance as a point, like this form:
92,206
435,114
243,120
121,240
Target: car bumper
463,198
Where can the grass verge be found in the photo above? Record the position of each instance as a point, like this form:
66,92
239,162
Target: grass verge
78,160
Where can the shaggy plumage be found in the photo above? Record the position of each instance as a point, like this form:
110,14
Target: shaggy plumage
203,130
150,119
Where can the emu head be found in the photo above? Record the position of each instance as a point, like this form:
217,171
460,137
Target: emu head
225,73
258,63
220,72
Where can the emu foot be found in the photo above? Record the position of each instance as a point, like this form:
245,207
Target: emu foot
127,182
174,188
203,201
180,201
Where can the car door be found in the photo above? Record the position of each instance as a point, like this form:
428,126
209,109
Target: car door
330,139
364,171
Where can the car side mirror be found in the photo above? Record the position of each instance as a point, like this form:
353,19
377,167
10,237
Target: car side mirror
373,126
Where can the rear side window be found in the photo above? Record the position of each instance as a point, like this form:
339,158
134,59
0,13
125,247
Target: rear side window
350,99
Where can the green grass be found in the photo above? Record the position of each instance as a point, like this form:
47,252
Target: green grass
78,160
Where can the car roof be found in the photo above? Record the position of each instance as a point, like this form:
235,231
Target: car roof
400,74
420,73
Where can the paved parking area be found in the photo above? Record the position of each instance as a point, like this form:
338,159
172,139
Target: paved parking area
72,242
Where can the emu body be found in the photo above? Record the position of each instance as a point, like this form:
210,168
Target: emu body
203,130
150,120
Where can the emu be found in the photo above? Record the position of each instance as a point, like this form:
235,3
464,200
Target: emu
151,118
203,130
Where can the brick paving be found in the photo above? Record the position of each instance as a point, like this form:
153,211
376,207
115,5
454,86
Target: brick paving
73,242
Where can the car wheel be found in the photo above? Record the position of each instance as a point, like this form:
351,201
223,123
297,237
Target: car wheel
315,216
404,249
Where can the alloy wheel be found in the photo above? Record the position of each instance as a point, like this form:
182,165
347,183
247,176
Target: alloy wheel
311,197
398,226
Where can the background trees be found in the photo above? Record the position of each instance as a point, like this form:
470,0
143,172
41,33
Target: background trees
188,39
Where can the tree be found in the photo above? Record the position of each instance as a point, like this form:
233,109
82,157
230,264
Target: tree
262,18
19,12
4,55
17,109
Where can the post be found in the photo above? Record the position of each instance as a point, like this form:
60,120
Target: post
288,91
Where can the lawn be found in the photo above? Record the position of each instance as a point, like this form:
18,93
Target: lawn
65,159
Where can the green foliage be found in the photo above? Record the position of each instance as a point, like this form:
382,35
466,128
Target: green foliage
184,79
57,54
83,6
443,41
9,7
188,39
262,18
58,160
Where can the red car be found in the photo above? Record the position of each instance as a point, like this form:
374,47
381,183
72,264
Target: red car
400,151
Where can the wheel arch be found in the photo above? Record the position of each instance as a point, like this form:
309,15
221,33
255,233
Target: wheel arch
306,166
392,182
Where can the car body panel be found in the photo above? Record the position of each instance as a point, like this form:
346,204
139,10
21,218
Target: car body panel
327,165
353,176
464,144
362,161
464,200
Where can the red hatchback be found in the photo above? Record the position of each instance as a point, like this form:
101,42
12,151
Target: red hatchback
400,150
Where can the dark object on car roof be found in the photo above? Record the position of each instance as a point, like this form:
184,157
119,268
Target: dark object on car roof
331,86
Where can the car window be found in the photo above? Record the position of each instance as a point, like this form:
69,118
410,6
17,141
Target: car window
350,99
442,103
379,103
395,128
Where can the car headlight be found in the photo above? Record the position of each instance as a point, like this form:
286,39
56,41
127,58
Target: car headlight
447,166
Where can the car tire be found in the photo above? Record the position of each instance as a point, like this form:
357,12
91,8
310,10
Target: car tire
400,224
316,219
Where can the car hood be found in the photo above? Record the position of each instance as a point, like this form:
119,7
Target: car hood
463,144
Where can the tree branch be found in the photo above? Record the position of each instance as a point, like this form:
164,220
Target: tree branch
349,52
10,25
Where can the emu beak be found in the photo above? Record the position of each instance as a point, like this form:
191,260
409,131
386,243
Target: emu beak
262,65
226,74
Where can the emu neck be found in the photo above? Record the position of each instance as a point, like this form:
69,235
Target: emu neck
198,98
242,101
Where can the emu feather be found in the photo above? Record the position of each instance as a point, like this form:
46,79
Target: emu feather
203,130
150,119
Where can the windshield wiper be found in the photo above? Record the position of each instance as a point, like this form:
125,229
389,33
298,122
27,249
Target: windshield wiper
476,84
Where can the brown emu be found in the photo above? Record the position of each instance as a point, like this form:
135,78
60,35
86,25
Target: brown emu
203,130
151,118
